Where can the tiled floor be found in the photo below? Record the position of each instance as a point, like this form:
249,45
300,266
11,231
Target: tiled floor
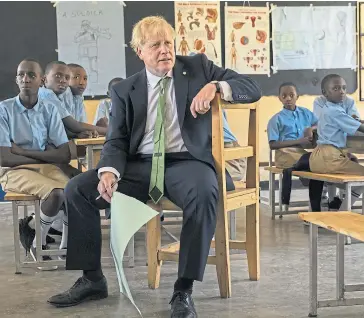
281,292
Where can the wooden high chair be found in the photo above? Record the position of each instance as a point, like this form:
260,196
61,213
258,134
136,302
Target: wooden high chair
228,201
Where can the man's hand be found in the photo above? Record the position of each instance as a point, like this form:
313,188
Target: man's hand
201,102
308,133
104,186
16,150
84,134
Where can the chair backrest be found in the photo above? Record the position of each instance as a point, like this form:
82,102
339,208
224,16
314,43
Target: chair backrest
251,152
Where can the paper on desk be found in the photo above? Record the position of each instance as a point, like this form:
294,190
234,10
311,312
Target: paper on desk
128,215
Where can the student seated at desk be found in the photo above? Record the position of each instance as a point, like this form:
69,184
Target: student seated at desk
28,125
103,110
348,104
56,81
291,130
333,127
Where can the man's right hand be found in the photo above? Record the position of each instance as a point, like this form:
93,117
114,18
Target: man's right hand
305,142
104,187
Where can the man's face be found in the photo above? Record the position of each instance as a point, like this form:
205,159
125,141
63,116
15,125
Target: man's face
29,78
335,90
78,80
58,78
158,53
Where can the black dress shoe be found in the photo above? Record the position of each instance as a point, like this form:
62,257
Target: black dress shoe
81,291
182,305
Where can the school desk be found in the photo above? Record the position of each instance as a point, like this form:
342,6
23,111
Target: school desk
93,149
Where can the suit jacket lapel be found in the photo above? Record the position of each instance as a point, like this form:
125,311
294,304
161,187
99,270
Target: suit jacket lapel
139,99
180,76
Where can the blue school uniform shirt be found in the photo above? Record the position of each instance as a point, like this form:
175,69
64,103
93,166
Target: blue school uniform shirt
228,134
103,110
348,104
74,105
30,129
290,124
48,95
335,125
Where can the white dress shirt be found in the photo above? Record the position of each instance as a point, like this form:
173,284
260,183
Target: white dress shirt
173,136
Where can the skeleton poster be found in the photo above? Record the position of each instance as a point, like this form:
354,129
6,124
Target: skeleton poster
198,30
92,35
247,39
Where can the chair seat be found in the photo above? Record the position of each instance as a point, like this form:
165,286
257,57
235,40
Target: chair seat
274,169
13,196
334,178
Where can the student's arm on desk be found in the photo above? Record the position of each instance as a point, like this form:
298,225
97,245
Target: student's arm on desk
77,127
304,142
9,159
60,154
361,128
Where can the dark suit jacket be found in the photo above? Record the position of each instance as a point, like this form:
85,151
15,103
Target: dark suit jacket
130,102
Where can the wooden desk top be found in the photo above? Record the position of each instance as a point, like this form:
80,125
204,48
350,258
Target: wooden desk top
347,223
335,178
13,196
89,141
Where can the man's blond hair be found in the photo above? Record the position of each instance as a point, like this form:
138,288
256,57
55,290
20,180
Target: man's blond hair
149,26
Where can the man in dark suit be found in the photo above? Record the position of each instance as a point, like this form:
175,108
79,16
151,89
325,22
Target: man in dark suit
158,143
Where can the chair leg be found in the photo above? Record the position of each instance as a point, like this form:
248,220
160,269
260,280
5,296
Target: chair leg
252,241
222,254
153,247
16,237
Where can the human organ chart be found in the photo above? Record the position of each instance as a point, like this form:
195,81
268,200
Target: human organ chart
247,39
197,26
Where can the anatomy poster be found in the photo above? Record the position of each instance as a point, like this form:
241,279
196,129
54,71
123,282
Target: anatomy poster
92,34
198,29
313,37
247,39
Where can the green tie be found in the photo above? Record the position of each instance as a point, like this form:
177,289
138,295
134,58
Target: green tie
156,186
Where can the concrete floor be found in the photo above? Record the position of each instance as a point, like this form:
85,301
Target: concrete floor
281,292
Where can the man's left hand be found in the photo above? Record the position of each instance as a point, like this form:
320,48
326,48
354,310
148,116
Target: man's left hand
201,102
16,150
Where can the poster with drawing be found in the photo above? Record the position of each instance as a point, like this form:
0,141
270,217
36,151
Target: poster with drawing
198,30
313,37
247,39
92,35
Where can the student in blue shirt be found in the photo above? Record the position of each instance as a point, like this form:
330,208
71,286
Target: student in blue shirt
103,110
56,82
28,125
334,125
291,130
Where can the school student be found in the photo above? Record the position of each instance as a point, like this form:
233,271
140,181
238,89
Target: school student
333,127
28,125
56,82
291,130
330,191
103,110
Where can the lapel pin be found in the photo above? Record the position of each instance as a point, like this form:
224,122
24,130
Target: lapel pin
184,73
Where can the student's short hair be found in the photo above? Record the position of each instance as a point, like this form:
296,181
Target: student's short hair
114,81
325,81
285,84
28,59
51,64
74,65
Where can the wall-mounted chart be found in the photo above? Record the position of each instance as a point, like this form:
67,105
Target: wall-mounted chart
247,39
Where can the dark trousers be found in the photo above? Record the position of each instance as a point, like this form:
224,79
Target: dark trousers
189,183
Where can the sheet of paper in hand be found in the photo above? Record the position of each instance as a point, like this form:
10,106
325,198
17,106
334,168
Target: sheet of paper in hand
128,215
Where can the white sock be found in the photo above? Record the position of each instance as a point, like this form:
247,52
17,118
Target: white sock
58,222
64,232
45,225
331,190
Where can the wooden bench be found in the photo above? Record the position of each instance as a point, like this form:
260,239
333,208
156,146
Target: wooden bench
344,224
273,171
25,200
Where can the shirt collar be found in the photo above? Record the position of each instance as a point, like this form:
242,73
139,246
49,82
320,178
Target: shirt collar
331,104
288,111
153,80
21,107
